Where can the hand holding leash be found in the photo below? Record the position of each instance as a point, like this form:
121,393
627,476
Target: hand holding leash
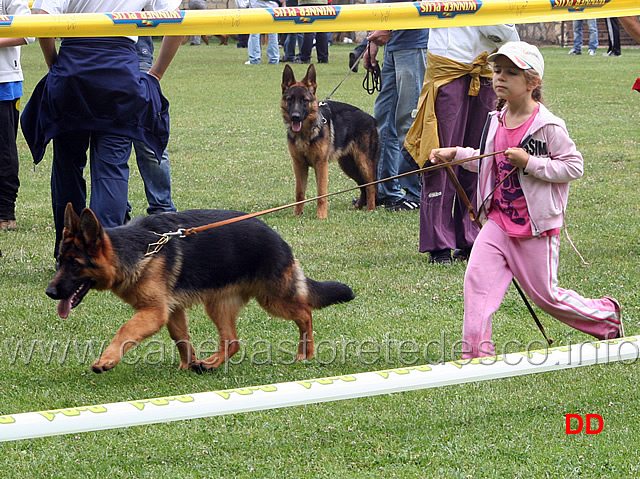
371,82
442,155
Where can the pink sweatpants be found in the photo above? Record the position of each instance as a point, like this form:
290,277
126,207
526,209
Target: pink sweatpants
495,259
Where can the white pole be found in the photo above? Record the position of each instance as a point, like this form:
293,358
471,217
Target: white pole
233,401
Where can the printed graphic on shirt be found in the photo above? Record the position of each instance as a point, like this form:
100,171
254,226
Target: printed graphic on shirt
510,197
535,147
447,9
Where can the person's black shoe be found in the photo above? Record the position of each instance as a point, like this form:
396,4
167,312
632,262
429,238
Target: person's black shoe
403,205
461,254
442,256
353,59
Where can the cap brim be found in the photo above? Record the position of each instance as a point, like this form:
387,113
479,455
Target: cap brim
518,62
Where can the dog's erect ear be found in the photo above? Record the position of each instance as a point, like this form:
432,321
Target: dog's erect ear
288,78
310,79
91,228
71,219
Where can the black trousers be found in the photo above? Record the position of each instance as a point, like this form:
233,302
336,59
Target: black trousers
322,47
9,182
613,32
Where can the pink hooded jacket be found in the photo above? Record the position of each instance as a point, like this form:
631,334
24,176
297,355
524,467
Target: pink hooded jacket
554,161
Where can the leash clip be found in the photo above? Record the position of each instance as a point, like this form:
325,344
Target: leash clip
153,248
179,232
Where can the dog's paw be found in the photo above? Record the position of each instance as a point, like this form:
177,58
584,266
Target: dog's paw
199,367
98,368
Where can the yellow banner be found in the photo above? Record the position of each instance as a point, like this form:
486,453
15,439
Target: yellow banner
321,18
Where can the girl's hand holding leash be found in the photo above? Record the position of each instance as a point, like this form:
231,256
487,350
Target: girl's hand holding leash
442,155
517,157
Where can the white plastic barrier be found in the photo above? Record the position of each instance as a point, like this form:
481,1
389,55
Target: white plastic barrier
272,396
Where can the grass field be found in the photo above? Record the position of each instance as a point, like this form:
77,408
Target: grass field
228,150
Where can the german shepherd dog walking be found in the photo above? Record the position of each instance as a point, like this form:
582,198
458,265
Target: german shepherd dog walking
223,268
318,133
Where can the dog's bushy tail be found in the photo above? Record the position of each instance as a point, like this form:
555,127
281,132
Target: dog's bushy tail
325,293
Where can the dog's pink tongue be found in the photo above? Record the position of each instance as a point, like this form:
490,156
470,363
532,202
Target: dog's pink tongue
296,125
64,308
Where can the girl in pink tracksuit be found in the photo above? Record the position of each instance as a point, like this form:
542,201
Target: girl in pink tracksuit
523,195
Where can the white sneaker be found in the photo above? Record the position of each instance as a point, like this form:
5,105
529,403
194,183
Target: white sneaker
592,52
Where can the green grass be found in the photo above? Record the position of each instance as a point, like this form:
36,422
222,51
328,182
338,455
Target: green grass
228,150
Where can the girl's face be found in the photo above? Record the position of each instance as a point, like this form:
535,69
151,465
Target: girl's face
509,81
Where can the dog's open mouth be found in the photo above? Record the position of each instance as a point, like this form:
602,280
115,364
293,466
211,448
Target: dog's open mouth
296,126
66,305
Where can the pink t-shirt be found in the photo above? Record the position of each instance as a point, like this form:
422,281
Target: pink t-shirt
508,206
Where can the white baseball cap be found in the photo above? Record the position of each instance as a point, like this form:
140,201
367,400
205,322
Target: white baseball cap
523,55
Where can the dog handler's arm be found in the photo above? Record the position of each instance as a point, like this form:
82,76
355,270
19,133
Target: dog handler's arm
168,50
632,26
380,37
48,47
376,39
369,57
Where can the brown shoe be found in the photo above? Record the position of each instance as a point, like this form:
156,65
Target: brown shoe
8,225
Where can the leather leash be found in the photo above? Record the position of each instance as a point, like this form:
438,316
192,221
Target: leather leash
475,218
371,82
182,232
355,64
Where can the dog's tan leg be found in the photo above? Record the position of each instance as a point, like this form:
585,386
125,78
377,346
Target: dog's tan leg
297,310
301,171
305,325
223,313
322,182
145,323
371,197
179,331
368,173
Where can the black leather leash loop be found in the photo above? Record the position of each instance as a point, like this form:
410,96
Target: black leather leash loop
371,82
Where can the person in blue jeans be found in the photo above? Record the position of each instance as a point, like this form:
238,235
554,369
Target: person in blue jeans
401,77
155,176
255,51
291,40
592,25
290,43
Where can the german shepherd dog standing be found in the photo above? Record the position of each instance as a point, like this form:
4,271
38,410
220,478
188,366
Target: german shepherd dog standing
223,268
318,133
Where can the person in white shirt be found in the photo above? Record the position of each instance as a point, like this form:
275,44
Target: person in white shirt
456,97
10,93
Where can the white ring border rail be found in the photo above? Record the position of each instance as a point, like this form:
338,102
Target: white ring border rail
233,401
